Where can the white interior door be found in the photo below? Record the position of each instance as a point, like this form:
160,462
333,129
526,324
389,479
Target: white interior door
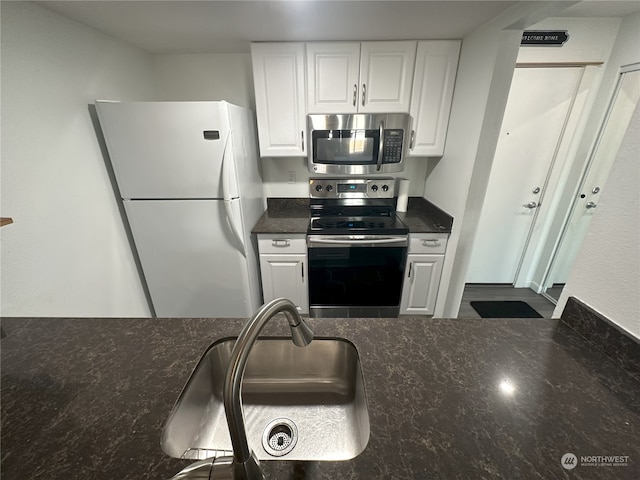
604,153
538,107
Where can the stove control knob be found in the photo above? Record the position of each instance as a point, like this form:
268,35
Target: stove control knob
385,188
374,188
318,188
329,188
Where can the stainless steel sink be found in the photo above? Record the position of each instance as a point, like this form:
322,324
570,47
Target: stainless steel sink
299,403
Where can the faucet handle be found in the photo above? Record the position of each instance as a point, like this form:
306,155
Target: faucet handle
220,468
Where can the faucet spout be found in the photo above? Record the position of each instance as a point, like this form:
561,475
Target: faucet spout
245,464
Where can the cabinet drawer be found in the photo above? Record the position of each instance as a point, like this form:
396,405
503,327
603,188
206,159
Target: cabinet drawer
282,243
428,243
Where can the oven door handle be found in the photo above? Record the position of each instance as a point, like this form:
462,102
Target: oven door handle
356,241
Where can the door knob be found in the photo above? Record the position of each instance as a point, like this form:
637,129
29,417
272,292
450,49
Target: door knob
591,205
530,205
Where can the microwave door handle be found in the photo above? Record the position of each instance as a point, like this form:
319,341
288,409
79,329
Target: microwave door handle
381,146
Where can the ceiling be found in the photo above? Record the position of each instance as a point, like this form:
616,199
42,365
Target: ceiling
229,26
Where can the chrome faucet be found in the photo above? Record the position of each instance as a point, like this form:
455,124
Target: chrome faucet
244,465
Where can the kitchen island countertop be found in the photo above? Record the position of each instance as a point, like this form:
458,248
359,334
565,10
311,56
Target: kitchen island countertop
448,399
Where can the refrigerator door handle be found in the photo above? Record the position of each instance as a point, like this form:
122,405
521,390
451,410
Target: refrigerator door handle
226,169
227,164
231,219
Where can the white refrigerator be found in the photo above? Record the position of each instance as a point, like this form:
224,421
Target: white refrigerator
189,177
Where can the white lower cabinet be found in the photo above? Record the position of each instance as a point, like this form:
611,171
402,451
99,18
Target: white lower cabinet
422,273
284,268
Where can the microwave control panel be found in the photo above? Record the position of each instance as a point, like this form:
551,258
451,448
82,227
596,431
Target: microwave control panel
392,147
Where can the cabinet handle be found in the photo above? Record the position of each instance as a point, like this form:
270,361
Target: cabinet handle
430,242
410,266
302,137
364,94
413,137
355,93
280,242
302,269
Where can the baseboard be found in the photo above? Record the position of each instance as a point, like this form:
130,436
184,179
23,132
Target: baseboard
535,286
620,346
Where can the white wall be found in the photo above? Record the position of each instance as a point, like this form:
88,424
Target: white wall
457,182
606,275
275,173
590,40
624,52
205,77
67,253
612,287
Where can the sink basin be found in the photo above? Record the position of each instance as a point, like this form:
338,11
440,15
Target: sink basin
299,403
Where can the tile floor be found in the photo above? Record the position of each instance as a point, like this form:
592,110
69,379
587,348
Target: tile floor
474,292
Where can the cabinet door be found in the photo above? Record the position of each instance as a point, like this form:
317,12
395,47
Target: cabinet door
332,77
386,74
421,284
278,76
436,66
285,276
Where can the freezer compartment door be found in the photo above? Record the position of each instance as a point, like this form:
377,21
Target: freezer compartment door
166,149
190,258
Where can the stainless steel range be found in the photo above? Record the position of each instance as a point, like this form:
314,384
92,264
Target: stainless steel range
357,248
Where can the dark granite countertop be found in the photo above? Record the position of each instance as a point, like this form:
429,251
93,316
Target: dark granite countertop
422,216
284,215
291,215
448,399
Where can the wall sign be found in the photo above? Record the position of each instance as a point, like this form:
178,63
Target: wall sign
544,38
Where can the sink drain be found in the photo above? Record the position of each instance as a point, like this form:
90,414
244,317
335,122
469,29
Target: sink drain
279,437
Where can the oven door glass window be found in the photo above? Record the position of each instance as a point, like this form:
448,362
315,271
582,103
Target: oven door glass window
356,276
345,147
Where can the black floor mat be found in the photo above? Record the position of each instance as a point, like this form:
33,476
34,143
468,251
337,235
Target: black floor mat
505,309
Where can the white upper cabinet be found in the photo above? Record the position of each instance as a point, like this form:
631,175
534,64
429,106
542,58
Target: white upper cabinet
368,77
279,81
433,82
294,79
386,73
333,71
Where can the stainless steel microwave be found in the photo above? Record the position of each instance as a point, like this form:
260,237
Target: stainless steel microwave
358,144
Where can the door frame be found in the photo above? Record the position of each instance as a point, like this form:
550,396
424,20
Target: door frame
558,175
547,277
558,172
